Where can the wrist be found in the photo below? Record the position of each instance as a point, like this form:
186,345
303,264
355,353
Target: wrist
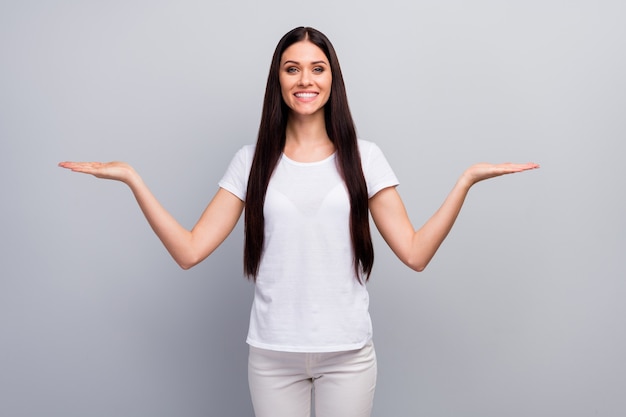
132,178
466,180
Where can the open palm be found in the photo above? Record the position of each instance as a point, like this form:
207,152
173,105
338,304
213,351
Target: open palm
119,171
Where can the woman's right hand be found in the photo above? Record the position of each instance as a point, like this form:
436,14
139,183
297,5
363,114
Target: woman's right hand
119,171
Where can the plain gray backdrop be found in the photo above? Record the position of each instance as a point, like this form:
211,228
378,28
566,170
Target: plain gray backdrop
521,313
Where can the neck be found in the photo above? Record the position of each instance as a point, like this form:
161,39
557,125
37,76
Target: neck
306,138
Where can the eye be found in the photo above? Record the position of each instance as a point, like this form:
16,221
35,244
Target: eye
291,70
318,70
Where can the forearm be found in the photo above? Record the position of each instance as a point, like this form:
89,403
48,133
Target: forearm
427,239
417,247
186,247
176,239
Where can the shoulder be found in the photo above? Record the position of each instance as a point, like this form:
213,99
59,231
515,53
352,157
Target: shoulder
376,170
235,178
244,155
246,151
365,145
369,150
241,162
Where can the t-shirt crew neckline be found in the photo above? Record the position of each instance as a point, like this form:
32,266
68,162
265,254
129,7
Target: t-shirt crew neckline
321,161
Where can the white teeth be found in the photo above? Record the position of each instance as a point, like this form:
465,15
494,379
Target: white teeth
305,95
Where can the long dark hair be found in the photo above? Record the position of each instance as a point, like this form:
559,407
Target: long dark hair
270,145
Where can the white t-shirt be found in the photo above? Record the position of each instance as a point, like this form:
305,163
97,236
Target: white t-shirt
307,298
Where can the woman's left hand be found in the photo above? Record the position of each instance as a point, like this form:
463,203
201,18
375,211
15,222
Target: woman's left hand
483,171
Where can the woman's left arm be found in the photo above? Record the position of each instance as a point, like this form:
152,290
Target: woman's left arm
417,247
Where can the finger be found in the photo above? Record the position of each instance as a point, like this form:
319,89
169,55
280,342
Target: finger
84,167
68,164
520,167
527,166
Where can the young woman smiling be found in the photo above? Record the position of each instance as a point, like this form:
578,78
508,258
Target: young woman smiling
308,186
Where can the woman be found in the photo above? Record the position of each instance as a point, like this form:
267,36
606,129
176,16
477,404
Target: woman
308,187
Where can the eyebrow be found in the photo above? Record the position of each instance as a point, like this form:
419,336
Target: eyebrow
297,63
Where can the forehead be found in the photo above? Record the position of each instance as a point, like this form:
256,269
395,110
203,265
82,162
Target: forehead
303,51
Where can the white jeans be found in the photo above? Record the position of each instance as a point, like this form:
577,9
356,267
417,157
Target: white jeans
281,382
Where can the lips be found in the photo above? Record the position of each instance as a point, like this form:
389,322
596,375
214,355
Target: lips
306,95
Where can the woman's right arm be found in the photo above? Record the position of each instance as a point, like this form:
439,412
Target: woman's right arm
188,248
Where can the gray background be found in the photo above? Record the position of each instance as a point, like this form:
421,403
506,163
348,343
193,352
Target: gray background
521,313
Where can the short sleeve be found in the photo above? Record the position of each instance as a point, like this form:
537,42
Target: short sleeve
377,171
235,179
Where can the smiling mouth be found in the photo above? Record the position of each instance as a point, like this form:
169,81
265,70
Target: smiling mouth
306,95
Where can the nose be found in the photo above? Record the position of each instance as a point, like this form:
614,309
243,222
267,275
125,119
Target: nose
305,79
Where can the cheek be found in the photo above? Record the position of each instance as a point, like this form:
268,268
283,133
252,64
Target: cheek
285,95
284,86
329,84
329,87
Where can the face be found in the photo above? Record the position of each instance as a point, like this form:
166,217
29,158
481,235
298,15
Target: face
305,78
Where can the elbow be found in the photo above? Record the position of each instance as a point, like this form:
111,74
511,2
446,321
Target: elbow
190,257
188,262
185,266
417,265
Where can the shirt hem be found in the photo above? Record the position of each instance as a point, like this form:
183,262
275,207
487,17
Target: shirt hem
310,349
